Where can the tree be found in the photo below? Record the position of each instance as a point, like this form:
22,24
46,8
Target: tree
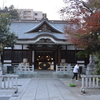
79,8
84,23
7,38
86,35
97,63
84,27
12,11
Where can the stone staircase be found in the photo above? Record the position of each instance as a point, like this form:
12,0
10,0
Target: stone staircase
52,74
45,74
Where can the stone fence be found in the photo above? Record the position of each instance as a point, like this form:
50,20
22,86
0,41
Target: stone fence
8,82
90,81
64,68
25,68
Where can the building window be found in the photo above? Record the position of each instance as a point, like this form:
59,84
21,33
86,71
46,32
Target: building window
17,56
7,54
35,19
36,14
26,54
26,12
71,56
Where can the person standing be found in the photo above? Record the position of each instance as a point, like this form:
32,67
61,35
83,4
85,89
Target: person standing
75,71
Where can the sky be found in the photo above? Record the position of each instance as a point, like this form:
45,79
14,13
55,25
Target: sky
51,7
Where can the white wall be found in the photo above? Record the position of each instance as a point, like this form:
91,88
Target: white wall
25,47
63,47
5,65
7,47
17,46
70,47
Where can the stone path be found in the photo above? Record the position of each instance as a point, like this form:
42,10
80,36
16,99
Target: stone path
46,89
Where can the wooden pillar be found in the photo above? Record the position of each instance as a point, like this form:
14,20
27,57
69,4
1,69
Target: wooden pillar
59,57
12,52
30,55
22,53
55,58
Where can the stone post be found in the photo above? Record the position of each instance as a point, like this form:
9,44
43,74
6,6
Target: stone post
90,66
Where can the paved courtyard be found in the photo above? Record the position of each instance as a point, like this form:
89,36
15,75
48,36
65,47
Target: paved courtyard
49,89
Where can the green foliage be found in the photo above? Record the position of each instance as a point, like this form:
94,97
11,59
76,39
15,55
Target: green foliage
12,12
82,54
4,22
7,38
96,57
85,53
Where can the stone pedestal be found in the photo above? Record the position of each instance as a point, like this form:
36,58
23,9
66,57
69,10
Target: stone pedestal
90,69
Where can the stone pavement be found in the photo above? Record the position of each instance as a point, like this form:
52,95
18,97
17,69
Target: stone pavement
49,89
91,94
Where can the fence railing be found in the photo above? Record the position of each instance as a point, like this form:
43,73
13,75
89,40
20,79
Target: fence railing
22,68
8,82
90,81
63,68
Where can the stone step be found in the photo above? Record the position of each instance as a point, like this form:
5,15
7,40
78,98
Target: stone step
45,74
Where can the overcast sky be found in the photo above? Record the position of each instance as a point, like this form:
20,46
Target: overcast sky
51,7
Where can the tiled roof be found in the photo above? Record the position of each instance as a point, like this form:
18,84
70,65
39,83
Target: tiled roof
21,29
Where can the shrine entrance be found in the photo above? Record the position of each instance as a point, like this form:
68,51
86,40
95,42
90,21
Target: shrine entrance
45,60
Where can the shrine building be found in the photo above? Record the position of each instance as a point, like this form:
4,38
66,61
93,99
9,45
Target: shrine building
41,43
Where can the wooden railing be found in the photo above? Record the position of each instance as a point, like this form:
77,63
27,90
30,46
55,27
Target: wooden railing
90,81
8,82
